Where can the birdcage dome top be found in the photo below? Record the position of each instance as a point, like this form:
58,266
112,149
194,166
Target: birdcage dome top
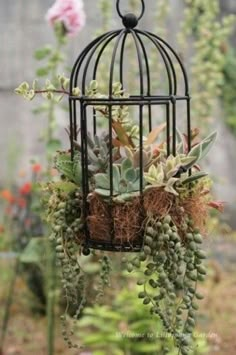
156,62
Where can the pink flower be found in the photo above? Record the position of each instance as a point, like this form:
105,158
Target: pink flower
70,13
218,205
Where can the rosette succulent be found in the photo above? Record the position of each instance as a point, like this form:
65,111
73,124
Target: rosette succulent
174,171
126,182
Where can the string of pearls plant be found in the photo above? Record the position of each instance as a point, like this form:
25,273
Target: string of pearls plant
175,204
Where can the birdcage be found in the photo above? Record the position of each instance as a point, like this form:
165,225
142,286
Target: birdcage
160,85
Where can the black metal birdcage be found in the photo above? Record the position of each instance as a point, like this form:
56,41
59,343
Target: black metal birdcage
150,49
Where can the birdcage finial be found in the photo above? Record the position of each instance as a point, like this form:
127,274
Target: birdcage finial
130,20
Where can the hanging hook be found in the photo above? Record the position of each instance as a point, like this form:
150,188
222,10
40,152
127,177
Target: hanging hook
122,16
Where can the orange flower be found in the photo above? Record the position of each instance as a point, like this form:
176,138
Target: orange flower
1,229
26,188
36,168
7,195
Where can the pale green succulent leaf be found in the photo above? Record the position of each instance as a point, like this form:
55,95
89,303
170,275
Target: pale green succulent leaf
188,160
102,181
92,156
64,165
77,173
171,190
130,175
116,177
194,177
123,186
202,149
102,192
180,140
172,181
172,172
125,166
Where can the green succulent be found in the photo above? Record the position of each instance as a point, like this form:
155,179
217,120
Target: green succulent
199,150
120,114
165,174
173,171
98,153
71,170
126,182
134,156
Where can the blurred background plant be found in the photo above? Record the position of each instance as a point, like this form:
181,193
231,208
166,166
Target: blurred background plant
124,328
204,43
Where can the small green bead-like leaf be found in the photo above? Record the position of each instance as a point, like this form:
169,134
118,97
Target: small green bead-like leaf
42,53
147,250
146,300
76,91
42,71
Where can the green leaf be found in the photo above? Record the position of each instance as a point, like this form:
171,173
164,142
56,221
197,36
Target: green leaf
188,160
44,71
125,165
65,186
76,91
201,149
42,53
34,251
53,145
130,175
171,190
102,181
92,156
64,165
147,348
77,172
116,177
194,177
181,142
93,85
105,193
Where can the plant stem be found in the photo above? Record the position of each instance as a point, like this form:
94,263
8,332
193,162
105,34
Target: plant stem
51,298
8,305
51,109
51,267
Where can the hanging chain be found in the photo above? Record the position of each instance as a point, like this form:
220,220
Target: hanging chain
122,16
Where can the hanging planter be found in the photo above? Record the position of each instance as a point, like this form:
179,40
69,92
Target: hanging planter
134,185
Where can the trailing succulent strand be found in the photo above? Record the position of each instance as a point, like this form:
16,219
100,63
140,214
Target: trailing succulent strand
171,266
174,201
105,270
65,217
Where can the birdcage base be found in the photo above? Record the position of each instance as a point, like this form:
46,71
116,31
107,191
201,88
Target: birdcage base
121,226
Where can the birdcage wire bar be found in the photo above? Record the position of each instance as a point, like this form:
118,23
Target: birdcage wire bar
88,62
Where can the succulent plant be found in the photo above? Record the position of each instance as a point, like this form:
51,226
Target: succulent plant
98,153
71,170
126,182
174,170
199,149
